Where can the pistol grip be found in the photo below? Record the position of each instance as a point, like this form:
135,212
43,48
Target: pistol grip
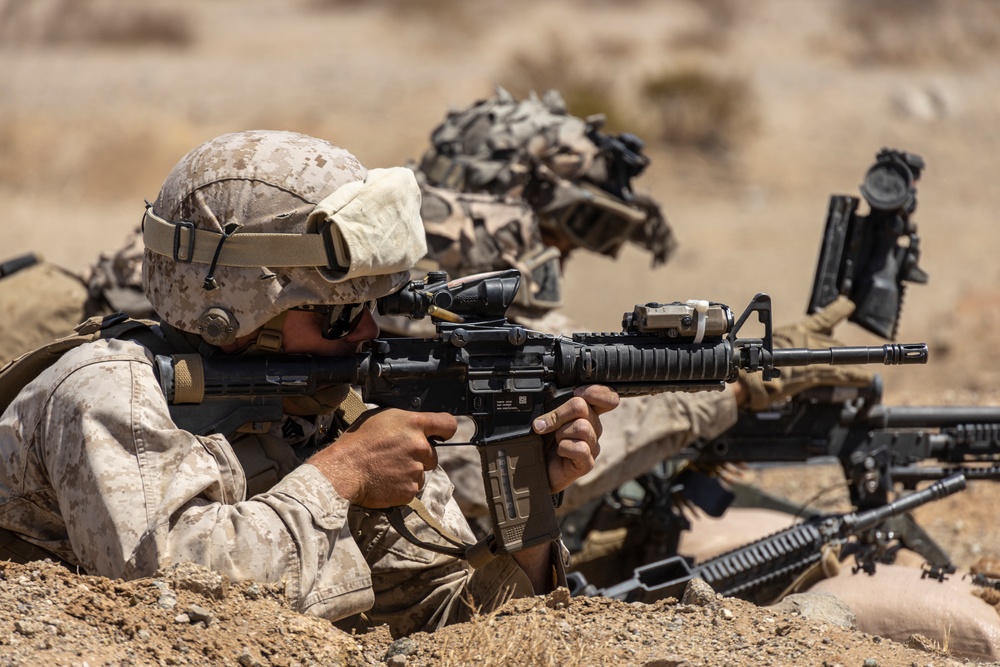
516,479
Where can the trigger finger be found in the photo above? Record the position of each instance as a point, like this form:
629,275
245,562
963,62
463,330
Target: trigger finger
431,461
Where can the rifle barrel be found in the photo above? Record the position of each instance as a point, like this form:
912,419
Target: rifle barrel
862,520
930,416
892,354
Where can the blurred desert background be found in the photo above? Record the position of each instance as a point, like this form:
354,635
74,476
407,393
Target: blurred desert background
753,115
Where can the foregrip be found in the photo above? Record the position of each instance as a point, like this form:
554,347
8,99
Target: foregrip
620,365
736,573
614,363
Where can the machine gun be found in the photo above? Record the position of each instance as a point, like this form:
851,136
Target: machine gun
877,446
761,570
501,375
870,258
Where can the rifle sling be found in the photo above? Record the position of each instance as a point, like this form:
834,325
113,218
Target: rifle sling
351,408
477,554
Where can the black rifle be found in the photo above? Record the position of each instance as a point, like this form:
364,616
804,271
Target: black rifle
870,258
501,375
761,570
15,264
878,446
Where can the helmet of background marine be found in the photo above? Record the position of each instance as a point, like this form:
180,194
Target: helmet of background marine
576,178
251,224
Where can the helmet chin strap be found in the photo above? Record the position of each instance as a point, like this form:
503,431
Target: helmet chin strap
270,337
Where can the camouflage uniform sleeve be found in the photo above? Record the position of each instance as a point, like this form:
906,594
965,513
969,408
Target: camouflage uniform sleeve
643,431
137,493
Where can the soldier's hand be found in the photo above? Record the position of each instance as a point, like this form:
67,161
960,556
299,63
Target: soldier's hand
576,425
815,331
381,460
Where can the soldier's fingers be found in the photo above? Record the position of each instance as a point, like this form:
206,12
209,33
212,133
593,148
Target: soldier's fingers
574,408
580,454
431,462
437,424
602,399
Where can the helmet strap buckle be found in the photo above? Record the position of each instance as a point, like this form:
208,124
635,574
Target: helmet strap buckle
270,337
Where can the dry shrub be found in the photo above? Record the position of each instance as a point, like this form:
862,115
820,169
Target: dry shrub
919,32
582,76
514,634
108,22
694,108
712,33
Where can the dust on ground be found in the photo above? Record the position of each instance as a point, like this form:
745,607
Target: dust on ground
189,616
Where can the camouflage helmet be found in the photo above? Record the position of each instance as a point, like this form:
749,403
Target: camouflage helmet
251,224
471,233
576,178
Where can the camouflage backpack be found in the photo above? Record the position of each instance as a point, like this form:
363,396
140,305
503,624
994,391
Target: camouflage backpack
39,302
576,178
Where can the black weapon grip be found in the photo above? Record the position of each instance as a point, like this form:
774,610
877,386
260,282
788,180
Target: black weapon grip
516,478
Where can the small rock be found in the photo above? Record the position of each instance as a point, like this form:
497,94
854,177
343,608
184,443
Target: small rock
196,579
403,646
197,613
557,599
167,599
671,661
698,592
247,660
397,660
822,607
27,628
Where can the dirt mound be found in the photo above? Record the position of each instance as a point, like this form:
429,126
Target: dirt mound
189,616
